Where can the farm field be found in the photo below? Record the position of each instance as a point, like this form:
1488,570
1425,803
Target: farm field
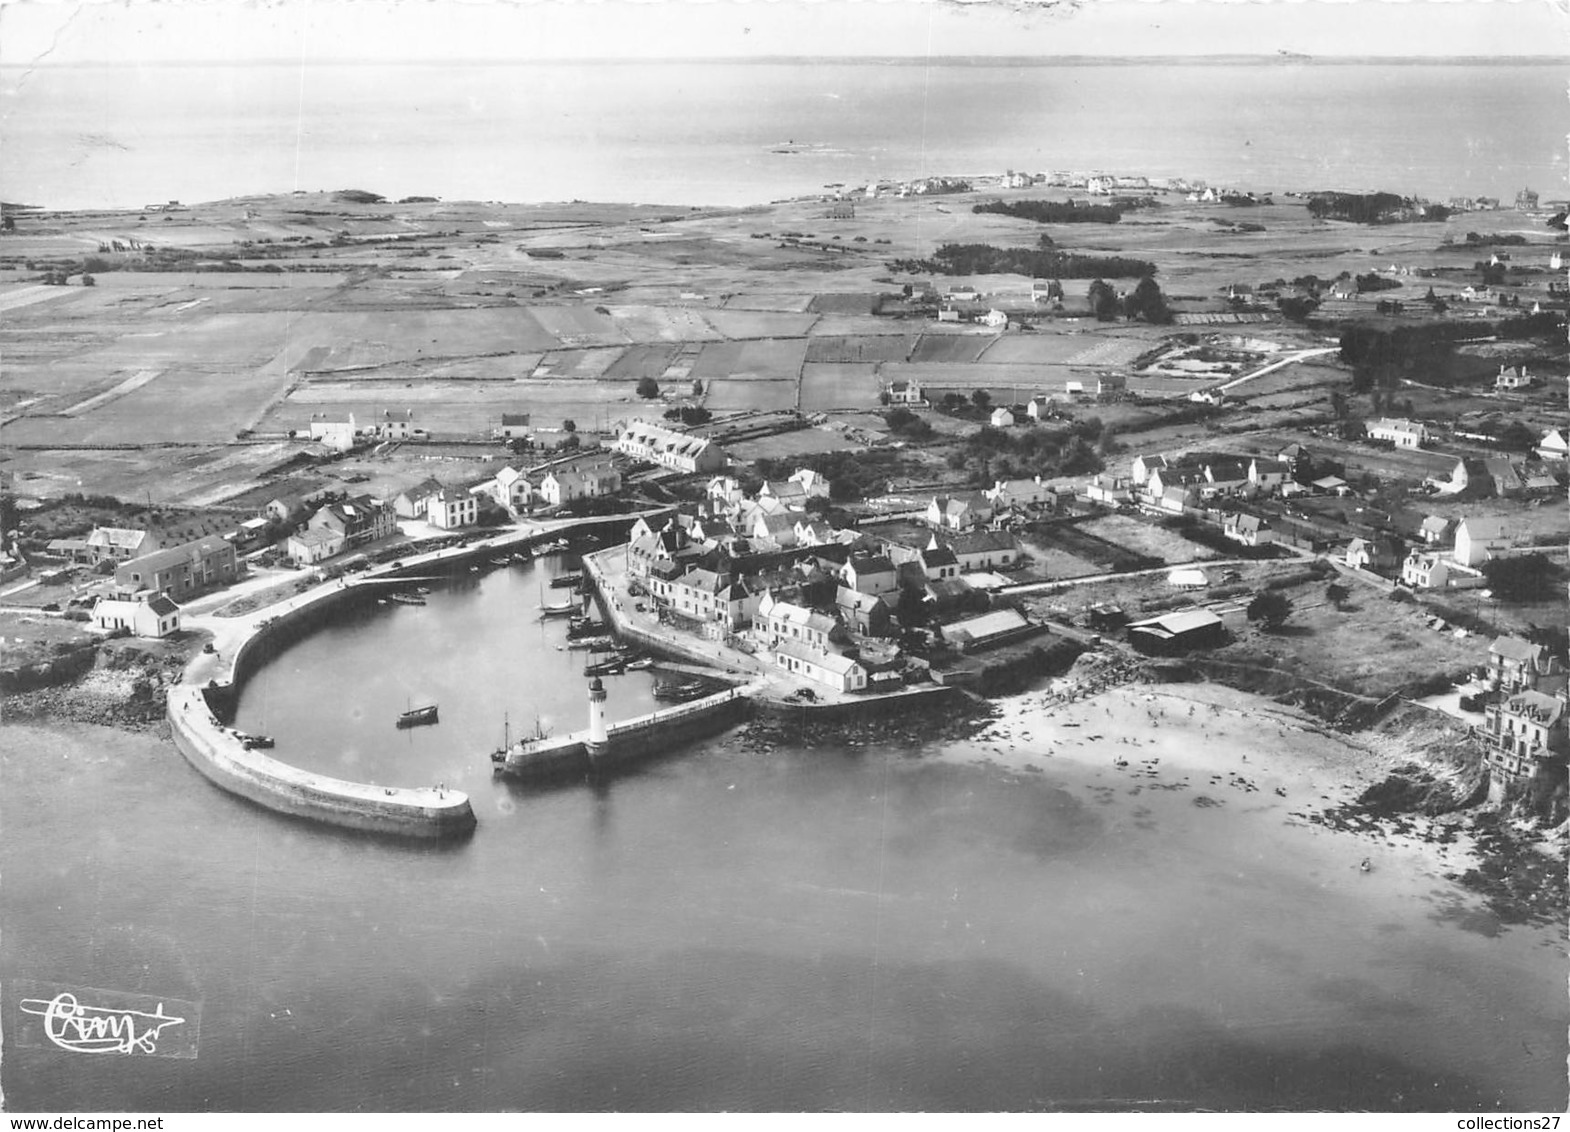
770,359
802,442
731,395
825,386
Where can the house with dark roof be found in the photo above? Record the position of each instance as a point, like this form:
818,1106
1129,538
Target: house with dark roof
870,574
413,503
359,519
980,550
1379,554
1174,633
865,614
119,544
180,571
1250,530
939,563
960,511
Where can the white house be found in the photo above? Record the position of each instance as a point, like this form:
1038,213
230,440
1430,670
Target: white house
785,621
905,393
314,544
581,481
334,431
1512,378
1250,530
829,669
511,490
980,550
1001,417
959,512
1399,431
996,319
514,426
1480,538
1265,476
1019,493
146,614
1553,446
816,486
449,509
1425,571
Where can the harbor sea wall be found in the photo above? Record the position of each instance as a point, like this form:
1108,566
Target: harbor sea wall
208,693
629,740
221,758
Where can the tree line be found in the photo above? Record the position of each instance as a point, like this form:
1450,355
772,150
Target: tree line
1054,211
985,259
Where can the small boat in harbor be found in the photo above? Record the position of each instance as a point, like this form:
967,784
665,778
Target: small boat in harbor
558,610
679,692
596,644
406,599
253,742
520,557
418,717
564,581
638,664
615,666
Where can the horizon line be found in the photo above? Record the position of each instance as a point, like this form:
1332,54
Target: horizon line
1285,58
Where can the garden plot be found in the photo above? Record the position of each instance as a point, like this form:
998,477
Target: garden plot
1111,352
728,395
759,324
501,367
951,348
842,349
578,365
828,386
774,359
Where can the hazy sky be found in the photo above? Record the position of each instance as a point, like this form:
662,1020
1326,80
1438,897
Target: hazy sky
32,31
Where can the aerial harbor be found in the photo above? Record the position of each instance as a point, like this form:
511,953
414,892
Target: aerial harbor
782,584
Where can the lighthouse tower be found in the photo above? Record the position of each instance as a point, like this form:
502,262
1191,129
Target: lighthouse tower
597,736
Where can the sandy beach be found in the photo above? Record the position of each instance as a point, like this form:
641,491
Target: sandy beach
1213,746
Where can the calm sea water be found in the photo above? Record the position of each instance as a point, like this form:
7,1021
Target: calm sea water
858,928
701,133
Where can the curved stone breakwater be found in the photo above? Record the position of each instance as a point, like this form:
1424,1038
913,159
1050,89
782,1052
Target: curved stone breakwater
212,681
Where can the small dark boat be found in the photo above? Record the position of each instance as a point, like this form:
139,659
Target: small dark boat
673,692
597,644
406,599
565,581
584,627
418,717
613,667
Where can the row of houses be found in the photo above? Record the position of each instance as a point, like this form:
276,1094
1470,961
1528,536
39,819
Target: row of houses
669,448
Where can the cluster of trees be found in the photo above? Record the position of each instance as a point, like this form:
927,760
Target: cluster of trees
1145,302
1374,282
985,259
906,424
1529,578
991,454
1054,211
689,414
359,196
648,388
1270,608
1363,208
851,475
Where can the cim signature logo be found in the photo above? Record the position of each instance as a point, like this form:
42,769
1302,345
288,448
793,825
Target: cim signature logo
83,1020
